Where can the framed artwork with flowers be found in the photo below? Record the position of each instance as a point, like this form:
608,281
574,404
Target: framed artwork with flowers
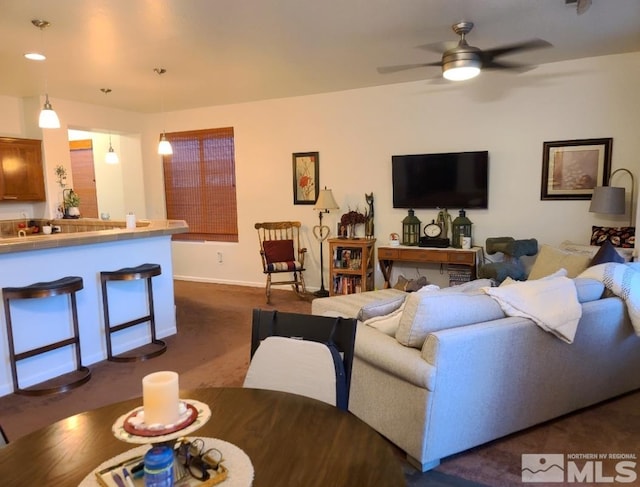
306,173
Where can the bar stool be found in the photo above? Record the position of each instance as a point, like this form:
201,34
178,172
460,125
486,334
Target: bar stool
67,285
144,271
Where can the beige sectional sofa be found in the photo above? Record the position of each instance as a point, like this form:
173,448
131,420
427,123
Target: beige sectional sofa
463,373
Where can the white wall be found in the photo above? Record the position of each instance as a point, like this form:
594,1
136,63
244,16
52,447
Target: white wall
21,120
356,132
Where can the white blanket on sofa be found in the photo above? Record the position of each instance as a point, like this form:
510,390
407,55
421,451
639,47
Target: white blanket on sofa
623,281
552,304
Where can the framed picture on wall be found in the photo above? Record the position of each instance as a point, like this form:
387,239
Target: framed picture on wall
572,168
306,175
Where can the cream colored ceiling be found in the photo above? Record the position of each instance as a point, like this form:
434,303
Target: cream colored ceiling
229,51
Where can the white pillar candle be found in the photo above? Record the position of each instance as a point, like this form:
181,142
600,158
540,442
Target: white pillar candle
160,399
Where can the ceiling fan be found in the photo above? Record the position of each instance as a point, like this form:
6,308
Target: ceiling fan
464,62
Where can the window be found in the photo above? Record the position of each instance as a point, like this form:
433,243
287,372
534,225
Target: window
200,184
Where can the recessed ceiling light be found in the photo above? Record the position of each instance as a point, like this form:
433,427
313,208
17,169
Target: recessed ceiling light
35,56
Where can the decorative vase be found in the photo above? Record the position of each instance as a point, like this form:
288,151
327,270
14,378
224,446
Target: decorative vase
73,211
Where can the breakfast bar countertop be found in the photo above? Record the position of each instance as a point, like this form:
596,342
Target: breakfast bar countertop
84,231
84,247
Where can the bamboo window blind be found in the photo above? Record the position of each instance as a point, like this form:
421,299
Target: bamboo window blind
200,184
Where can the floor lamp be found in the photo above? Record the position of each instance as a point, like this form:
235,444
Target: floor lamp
610,199
324,204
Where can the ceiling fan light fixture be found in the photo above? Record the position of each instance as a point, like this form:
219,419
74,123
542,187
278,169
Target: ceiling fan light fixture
461,73
48,117
461,66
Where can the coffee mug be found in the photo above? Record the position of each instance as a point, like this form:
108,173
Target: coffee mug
46,229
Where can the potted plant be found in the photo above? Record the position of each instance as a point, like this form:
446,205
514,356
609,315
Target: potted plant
71,204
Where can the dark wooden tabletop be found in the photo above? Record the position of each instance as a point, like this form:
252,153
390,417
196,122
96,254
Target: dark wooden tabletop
291,440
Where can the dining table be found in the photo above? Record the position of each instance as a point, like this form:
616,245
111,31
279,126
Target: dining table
290,440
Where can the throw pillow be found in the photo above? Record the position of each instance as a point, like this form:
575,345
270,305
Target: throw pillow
278,251
425,313
410,285
550,260
618,236
387,324
607,253
401,283
381,307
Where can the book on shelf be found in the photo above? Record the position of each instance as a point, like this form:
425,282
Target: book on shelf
347,284
346,258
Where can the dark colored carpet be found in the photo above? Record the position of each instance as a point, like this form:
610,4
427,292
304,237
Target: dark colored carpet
212,349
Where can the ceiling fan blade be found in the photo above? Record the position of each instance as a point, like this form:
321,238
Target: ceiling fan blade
490,54
520,68
404,67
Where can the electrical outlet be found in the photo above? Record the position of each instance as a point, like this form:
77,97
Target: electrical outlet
219,257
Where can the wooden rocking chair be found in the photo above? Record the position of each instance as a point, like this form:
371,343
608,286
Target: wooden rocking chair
281,254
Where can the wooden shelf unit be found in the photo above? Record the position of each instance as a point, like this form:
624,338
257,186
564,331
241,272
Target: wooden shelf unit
462,264
352,265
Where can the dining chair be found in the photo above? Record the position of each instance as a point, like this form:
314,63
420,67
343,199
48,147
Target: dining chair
281,253
302,354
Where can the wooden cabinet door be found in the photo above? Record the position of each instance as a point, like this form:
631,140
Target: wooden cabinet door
21,172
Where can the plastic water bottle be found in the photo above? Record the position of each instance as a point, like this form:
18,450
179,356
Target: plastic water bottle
158,467
130,221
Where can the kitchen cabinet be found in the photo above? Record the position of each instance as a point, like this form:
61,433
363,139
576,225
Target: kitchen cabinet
21,172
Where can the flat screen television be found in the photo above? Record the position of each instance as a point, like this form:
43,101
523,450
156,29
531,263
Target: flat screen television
448,180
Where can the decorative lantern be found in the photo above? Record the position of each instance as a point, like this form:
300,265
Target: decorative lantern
461,227
410,229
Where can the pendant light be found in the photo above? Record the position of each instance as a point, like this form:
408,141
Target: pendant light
111,156
164,147
48,117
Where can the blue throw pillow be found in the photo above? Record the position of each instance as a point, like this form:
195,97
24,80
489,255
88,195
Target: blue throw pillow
607,253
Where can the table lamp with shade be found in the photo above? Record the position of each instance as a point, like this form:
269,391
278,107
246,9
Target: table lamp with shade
611,200
324,204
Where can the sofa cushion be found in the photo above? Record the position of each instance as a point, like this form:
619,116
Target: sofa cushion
551,259
428,312
380,307
586,289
